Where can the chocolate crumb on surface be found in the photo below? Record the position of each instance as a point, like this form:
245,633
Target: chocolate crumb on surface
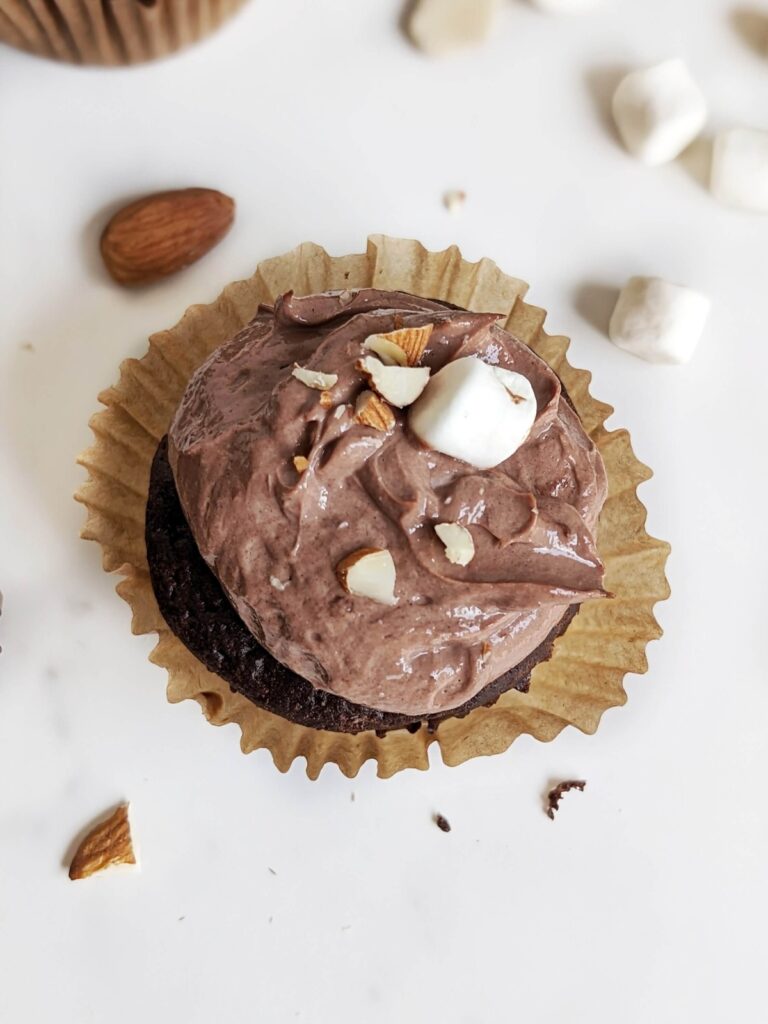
442,823
555,795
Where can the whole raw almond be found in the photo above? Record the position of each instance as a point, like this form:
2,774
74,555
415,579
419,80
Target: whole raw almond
164,232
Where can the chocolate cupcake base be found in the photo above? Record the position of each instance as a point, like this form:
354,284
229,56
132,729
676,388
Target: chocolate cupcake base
195,607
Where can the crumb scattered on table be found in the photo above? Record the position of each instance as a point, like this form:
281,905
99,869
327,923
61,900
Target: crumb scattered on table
442,823
271,870
454,199
555,795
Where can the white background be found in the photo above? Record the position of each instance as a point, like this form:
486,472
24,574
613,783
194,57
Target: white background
646,900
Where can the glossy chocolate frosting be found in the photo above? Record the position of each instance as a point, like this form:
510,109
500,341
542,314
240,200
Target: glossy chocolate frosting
274,536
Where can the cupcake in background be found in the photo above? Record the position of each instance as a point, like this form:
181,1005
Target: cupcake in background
109,31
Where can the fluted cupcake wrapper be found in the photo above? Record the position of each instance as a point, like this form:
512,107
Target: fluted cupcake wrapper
109,31
585,673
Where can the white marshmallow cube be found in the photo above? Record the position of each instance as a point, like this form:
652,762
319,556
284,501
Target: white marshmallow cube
740,168
440,26
565,6
658,321
474,412
659,111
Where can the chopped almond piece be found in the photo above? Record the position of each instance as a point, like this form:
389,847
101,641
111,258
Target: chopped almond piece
369,572
372,411
314,379
107,844
411,341
399,385
459,546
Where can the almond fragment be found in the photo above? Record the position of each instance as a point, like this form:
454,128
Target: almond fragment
164,232
371,411
300,463
369,572
411,341
399,385
314,378
459,546
107,844
454,200
326,400
388,352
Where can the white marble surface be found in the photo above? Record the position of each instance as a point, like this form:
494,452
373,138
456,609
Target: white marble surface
646,900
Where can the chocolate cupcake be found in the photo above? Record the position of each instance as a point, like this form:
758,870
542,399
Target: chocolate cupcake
367,516
109,31
283,480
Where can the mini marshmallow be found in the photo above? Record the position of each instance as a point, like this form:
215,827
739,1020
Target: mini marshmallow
565,6
440,26
658,321
659,111
474,412
740,168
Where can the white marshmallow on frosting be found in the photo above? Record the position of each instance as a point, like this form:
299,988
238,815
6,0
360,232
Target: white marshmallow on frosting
659,111
658,321
474,412
739,174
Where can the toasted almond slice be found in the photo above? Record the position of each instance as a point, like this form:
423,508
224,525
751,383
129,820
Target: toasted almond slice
107,844
388,352
399,385
369,572
314,378
459,546
326,399
300,463
372,411
410,340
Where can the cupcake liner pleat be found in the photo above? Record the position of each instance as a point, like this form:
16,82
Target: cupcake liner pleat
585,674
109,31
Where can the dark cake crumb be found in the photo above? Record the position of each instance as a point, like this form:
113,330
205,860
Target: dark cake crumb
442,823
555,795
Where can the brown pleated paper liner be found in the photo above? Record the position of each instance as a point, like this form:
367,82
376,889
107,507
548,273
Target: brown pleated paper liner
604,642
109,31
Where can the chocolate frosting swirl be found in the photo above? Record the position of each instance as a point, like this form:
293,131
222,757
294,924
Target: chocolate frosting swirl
274,536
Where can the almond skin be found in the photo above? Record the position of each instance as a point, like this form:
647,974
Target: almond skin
163,233
107,844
